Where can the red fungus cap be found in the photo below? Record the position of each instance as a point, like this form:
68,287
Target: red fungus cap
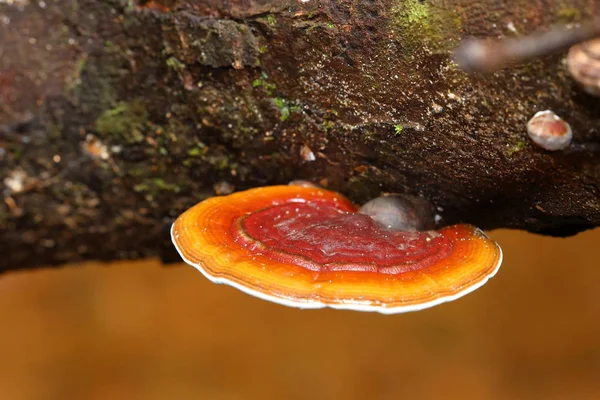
309,248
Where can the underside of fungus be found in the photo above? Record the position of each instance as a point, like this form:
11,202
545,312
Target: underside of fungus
309,248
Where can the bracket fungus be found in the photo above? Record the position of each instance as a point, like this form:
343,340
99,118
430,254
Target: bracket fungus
309,247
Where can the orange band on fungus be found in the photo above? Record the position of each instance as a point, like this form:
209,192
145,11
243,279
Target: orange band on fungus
309,248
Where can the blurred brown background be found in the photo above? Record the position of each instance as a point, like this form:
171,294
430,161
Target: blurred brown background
142,331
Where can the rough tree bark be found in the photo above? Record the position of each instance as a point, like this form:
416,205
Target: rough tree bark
115,116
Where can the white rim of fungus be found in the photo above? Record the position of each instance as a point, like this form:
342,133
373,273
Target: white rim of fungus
311,305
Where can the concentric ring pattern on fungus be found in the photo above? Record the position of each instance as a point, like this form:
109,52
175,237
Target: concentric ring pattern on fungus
308,248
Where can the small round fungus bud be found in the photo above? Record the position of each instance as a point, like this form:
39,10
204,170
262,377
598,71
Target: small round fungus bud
401,212
303,183
549,131
583,61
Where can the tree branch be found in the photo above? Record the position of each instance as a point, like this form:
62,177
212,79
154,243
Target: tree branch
116,117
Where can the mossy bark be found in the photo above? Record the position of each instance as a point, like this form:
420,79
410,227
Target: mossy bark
115,116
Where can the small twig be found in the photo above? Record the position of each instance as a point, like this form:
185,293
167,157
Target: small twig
485,55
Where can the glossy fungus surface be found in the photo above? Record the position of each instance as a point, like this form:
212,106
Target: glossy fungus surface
309,248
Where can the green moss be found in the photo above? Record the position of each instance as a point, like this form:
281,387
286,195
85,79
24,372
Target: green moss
271,20
221,163
200,150
569,14
416,24
155,185
125,120
368,137
74,80
175,64
110,47
194,152
137,170
517,147
417,13
285,107
398,129
129,5
327,125
263,83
